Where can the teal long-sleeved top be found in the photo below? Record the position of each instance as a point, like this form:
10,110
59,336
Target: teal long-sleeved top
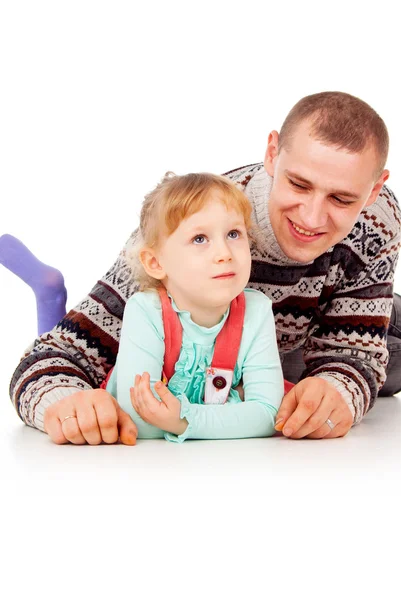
258,366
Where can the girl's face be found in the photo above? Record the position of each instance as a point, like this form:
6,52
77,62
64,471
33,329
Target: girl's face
206,261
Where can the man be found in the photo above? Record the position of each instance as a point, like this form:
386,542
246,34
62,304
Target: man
325,253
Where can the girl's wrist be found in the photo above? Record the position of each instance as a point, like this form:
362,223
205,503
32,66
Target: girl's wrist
181,427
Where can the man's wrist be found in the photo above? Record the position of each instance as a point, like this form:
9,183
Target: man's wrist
348,390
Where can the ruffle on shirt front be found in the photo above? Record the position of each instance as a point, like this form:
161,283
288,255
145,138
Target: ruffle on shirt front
190,373
190,369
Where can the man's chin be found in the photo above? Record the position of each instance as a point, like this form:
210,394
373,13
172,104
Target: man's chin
304,255
304,252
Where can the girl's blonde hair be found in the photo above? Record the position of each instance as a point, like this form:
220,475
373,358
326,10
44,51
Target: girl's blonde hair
176,198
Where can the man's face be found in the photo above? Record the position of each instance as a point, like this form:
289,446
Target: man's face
318,192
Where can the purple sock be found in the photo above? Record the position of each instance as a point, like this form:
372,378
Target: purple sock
46,282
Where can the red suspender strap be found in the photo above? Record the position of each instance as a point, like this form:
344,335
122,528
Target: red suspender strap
172,334
106,381
288,386
172,338
229,339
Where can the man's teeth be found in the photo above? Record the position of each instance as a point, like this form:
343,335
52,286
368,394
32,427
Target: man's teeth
302,230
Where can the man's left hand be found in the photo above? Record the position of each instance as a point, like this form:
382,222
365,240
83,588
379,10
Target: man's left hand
307,406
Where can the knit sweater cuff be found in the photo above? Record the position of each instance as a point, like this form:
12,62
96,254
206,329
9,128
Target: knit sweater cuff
349,390
38,397
49,398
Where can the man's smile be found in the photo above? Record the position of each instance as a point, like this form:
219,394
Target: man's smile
304,235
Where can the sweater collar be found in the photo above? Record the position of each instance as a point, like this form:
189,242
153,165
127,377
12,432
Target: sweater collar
258,191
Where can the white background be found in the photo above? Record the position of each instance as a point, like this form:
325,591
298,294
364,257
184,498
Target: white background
97,101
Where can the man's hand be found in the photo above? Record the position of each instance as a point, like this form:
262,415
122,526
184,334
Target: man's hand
306,408
94,416
165,414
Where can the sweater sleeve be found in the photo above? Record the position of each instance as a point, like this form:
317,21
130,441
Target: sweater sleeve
262,381
348,346
77,354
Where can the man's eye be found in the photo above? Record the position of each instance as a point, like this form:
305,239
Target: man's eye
297,185
234,234
342,202
199,239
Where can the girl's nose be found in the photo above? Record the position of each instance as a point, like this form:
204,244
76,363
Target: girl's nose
223,253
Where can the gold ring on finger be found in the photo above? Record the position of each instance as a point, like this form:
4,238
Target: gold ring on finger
68,417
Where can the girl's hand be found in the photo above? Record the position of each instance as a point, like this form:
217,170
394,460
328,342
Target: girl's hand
165,414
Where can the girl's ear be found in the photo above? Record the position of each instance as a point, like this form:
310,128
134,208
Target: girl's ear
150,263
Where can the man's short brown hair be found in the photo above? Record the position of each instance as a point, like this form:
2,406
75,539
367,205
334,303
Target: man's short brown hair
340,120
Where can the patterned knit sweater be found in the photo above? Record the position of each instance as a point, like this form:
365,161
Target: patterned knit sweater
336,307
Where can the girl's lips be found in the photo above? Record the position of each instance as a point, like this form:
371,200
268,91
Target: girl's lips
302,236
224,276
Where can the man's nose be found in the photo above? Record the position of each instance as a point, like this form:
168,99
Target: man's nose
313,212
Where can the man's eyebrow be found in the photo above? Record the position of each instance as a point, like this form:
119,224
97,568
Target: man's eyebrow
307,182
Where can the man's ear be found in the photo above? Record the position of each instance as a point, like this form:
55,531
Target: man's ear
271,152
150,263
377,187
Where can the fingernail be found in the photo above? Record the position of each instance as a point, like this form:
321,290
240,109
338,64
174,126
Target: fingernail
279,424
287,432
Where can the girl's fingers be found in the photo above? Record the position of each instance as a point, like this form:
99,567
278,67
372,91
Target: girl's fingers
147,396
146,405
164,393
144,401
134,392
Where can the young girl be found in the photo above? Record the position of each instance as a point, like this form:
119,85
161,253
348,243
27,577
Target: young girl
193,323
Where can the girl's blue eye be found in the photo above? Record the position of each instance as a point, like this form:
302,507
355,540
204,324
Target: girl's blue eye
199,239
234,234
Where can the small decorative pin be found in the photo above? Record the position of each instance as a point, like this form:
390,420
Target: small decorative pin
218,385
219,382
